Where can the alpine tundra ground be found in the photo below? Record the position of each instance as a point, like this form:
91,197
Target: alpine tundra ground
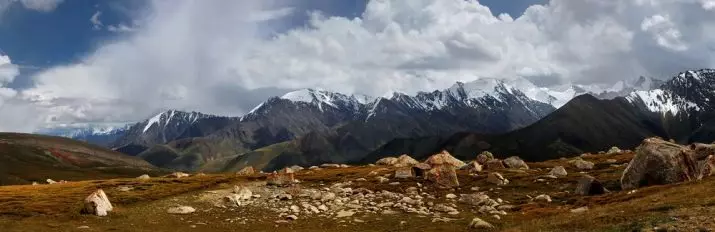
142,205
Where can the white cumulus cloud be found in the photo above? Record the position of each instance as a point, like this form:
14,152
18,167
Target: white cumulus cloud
207,55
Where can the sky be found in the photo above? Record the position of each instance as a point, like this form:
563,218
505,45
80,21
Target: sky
108,61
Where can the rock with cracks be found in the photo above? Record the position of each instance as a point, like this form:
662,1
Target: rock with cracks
444,176
97,203
659,162
497,179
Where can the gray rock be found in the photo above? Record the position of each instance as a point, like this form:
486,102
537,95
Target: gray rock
97,204
478,223
181,210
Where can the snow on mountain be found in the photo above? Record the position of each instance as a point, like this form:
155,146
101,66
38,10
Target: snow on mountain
73,130
322,98
167,118
688,91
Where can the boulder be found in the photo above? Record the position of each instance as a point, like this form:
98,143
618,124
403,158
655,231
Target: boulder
405,161
659,162
582,164
50,181
473,167
97,203
246,171
497,179
387,161
444,158
494,164
558,171
613,150
543,198
589,186
484,157
144,177
444,176
181,210
177,175
403,173
478,223
515,162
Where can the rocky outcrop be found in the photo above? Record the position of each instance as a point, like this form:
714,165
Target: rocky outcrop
589,186
247,171
97,204
515,162
443,176
144,177
660,162
444,158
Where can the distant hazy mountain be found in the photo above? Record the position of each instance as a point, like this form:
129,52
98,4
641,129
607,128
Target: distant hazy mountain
98,134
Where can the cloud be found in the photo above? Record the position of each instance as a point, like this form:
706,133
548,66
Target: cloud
41,5
120,28
208,56
36,5
17,115
96,23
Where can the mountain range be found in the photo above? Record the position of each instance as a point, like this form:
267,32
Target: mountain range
312,126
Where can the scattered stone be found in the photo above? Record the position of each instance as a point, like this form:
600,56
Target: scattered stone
478,223
144,177
516,163
381,179
35,183
451,196
282,177
181,210
582,164
97,204
83,227
497,179
330,165
178,175
475,188
659,162
589,186
242,193
50,181
558,171
361,179
543,198
125,188
495,216
443,208
579,210
611,161
394,183
389,212
314,168
344,213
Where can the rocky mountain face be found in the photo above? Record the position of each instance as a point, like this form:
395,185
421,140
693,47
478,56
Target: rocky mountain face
679,109
353,124
102,135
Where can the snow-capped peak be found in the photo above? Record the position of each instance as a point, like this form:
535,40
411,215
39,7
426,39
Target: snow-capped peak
164,118
326,98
